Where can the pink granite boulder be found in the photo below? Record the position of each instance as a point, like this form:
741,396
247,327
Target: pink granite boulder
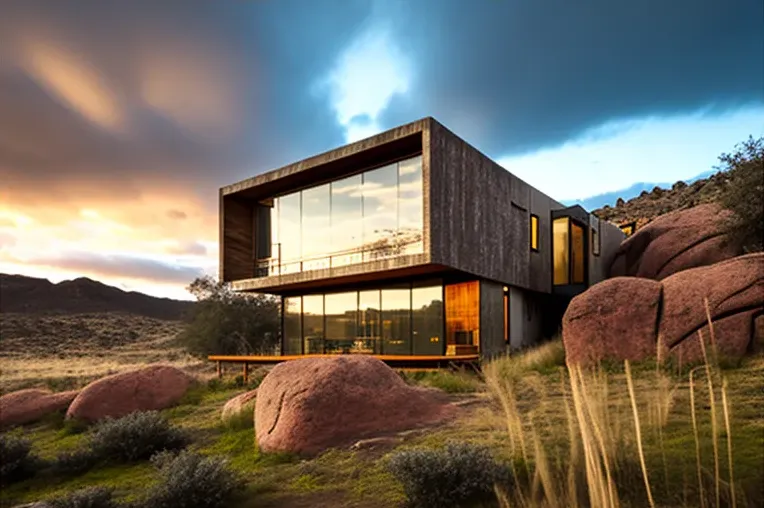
674,242
151,388
309,405
28,406
242,402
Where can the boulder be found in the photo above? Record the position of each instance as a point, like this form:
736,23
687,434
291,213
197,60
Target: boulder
613,319
622,318
28,406
673,242
151,388
306,406
239,403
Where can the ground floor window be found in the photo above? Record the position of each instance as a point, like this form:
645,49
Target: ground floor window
462,318
405,319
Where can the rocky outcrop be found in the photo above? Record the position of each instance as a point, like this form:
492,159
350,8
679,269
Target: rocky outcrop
675,242
244,401
152,388
622,318
306,406
28,406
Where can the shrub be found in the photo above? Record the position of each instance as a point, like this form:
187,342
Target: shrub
744,193
91,497
224,322
456,475
190,480
136,436
74,462
16,461
448,381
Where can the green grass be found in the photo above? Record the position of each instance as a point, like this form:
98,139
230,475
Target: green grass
358,478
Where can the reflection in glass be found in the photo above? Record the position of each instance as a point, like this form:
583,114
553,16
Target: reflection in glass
313,323
578,244
396,321
292,312
560,248
427,320
316,227
369,322
462,318
380,212
410,206
347,221
275,247
341,310
290,216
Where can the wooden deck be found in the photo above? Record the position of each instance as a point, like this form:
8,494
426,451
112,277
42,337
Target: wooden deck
396,361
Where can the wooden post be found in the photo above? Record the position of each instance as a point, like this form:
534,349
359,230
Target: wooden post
220,370
246,372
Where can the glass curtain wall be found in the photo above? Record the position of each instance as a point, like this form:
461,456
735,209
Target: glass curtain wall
462,318
391,321
373,215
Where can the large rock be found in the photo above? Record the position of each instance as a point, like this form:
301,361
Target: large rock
243,401
622,318
28,406
308,405
674,242
151,388
613,319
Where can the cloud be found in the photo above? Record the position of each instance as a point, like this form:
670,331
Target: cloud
177,214
122,266
514,77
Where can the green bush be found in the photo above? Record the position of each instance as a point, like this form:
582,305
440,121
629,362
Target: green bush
91,497
224,322
74,462
457,475
134,437
190,480
744,193
446,380
16,460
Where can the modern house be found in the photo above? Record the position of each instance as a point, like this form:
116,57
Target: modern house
409,243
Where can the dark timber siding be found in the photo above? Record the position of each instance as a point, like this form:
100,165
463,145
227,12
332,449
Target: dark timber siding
480,216
236,239
491,319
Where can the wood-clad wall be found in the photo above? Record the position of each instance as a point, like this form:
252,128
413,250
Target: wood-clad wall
480,216
236,239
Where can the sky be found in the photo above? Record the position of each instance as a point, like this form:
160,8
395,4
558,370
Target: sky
120,120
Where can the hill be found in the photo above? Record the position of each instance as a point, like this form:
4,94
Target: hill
21,294
649,205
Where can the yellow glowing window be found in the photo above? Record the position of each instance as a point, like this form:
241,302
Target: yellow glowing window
561,251
534,232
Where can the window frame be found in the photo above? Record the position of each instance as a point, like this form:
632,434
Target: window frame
538,236
596,239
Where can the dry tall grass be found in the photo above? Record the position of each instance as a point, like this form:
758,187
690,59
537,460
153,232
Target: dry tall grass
605,445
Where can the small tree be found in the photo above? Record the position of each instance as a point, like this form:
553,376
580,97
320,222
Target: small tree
744,193
225,322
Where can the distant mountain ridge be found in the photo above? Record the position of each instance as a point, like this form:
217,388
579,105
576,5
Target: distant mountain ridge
610,198
22,294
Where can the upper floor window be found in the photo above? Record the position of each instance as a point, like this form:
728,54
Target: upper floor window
373,215
596,240
534,233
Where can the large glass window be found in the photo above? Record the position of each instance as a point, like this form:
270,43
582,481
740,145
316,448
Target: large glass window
370,321
560,254
427,320
462,318
316,226
347,221
292,313
373,215
380,212
313,323
290,217
396,321
410,206
341,310
578,245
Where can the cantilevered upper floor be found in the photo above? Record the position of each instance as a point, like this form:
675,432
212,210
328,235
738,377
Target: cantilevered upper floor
410,201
